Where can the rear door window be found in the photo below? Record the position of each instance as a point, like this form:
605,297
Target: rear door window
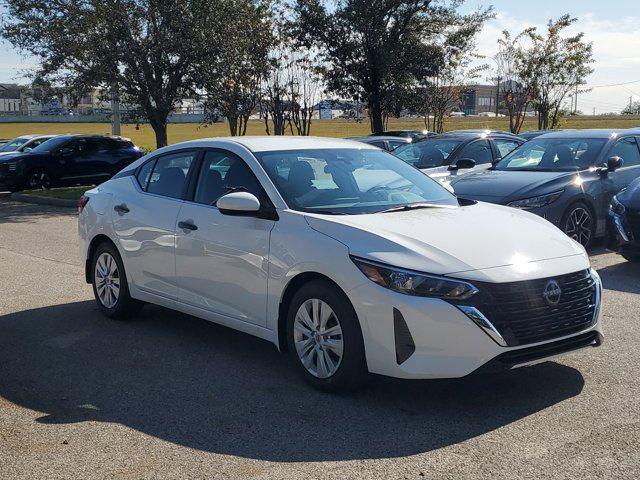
169,175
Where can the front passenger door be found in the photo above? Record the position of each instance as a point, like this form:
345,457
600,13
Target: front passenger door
221,260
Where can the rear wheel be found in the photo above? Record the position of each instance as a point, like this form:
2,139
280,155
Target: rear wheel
579,224
39,180
324,338
110,284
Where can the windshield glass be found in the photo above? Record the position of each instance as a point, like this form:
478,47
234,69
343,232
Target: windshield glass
429,153
349,181
13,145
554,155
51,144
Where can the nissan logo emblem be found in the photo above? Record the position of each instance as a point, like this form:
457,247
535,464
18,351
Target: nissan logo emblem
552,292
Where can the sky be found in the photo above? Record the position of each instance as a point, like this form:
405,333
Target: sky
615,37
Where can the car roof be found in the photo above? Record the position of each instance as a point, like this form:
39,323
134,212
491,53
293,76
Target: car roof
481,130
605,133
474,134
380,137
274,143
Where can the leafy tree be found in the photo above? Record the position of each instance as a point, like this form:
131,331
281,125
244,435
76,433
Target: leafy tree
232,76
632,109
148,51
556,65
517,87
373,48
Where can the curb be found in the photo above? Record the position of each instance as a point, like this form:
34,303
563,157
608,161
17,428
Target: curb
56,202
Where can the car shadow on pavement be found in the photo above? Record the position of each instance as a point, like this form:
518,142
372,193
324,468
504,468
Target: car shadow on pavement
624,277
204,386
19,212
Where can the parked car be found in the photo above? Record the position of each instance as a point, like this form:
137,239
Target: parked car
566,177
340,253
387,143
414,135
624,222
536,133
24,143
67,160
453,155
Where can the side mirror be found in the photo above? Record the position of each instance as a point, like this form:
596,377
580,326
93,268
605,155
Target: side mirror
614,163
463,163
238,203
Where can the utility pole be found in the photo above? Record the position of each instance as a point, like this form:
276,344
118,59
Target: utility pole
497,95
115,110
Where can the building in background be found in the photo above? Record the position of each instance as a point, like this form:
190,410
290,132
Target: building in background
10,99
479,99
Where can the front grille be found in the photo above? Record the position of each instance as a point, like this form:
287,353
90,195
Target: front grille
519,311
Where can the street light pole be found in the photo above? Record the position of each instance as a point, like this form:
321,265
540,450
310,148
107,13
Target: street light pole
115,110
497,96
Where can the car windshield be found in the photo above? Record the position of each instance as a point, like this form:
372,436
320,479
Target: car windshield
51,144
14,144
350,181
553,155
429,153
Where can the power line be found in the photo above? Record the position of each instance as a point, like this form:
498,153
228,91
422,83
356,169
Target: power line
613,84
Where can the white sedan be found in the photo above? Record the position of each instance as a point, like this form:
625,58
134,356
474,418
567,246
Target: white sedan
341,254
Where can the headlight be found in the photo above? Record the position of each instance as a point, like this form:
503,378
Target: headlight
537,202
414,283
616,207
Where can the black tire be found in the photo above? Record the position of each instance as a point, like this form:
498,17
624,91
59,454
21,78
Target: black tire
39,179
352,371
579,211
125,307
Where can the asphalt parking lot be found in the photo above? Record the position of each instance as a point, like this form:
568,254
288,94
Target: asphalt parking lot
170,396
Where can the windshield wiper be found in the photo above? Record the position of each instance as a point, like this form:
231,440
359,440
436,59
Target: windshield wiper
411,206
324,212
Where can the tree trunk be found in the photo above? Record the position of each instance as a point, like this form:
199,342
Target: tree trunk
233,125
159,125
377,124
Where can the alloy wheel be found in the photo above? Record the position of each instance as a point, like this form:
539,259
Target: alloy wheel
318,339
107,278
579,225
39,181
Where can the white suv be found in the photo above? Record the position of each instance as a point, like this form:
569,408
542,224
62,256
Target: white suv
340,253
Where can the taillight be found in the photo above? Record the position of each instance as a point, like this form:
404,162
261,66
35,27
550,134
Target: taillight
82,202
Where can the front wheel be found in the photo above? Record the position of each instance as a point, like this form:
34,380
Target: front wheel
110,286
39,180
579,224
324,338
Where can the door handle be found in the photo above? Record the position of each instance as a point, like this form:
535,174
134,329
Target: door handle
121,209
187,226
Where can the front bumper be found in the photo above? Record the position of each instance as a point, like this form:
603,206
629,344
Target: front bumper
442,341
620,237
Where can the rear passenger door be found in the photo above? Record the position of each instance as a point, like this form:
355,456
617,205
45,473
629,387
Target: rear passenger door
144,220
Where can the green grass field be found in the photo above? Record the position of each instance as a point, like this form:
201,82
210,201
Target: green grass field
143,135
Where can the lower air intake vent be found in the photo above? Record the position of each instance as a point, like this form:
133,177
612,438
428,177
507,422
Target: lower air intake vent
404,341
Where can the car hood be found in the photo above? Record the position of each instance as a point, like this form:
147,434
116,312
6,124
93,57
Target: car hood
451,240
499,186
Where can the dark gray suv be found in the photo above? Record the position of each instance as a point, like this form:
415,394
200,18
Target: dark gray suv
566,177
